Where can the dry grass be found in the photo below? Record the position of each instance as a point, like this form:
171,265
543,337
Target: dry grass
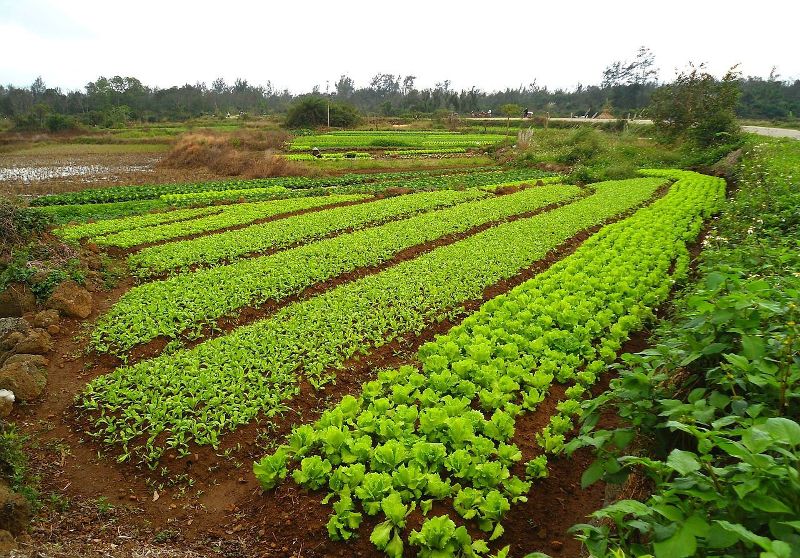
250,154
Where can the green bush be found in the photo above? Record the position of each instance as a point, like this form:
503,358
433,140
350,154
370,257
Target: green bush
18,224
313,111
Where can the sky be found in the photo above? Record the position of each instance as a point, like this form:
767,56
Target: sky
296,45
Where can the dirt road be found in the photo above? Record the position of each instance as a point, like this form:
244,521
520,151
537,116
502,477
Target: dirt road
772,132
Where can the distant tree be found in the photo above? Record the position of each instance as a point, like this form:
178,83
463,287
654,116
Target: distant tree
313,111
640,71
345,87
697,107
219,86
408,84
38,87
509,110
385,84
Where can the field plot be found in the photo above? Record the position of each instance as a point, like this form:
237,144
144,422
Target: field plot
430,141
422,320
190,300
444,430
197,395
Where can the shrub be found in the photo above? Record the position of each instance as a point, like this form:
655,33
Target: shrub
18,223
697,108
313,111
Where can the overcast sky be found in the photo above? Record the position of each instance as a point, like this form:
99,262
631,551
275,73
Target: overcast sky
297,44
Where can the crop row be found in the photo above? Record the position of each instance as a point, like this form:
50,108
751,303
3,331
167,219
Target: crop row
379,139
231,245
327,156
428,182
108,226
200,393
446,430
213,195
128,193
191,300
434,151
230,216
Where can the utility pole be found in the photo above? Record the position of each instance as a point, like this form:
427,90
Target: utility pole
328,98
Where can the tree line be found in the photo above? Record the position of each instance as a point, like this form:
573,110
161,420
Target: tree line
626,90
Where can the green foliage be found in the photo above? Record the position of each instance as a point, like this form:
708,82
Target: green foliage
188,301
14,463
698,108
313,111
253,239
426,141
716,399
198,394
18,224
567,321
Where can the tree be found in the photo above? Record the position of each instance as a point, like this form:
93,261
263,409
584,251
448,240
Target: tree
509,110
697,107
345,87
640,71
313,111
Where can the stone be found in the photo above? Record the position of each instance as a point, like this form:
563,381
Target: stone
37,360
7,543
25,379
15,511
16,300
12,339
46,318
8,325
37,342
53,329
72,300
6,402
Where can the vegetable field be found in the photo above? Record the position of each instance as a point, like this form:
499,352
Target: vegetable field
405,358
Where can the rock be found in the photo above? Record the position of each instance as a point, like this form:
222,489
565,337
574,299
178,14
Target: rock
37,360
556,545
12,339
37,342
6,402
25,379
53,329
71,300
7,543
9,325
15,511
16,300
46,318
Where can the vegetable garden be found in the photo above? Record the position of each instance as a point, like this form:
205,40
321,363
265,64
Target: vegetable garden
377,346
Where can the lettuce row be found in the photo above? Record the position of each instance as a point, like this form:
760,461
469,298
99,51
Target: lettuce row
451,421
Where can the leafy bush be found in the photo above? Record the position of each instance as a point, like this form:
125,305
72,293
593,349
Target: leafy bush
18,223
697,108
313,111
712,408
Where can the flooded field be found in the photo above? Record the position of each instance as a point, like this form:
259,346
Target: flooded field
40,171
87,173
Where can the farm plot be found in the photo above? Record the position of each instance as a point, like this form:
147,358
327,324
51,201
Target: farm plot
191,300
154,192
444,428
393,139
481,178
230,245
196,395
229,216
